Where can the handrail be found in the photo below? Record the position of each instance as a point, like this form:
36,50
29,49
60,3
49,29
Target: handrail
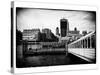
82,38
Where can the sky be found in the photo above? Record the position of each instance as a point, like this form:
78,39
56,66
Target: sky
32,18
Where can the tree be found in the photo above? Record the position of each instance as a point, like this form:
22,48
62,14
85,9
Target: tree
18,37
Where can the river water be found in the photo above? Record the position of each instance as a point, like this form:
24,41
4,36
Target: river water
46,60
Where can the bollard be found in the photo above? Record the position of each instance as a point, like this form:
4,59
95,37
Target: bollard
66,49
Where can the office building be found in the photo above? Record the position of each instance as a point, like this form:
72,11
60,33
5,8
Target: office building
64,27
31,34
57,31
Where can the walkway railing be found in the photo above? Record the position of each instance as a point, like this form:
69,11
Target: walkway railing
87,41
85,47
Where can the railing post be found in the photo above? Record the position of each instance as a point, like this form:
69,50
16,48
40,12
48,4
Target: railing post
82,43
90,42
87,42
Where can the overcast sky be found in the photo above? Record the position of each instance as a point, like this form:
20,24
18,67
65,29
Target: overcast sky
30,18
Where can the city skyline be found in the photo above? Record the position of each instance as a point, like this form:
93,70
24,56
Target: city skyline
30,18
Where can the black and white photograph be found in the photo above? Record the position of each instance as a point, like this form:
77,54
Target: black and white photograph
54,37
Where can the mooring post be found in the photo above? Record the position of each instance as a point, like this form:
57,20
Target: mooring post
66,48
24,47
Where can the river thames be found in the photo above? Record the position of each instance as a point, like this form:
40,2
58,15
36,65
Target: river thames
46,59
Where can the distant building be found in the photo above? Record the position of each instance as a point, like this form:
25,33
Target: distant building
73,32
66,34
84,33
47,32
31,34
48,36
72,35
57,31
64,26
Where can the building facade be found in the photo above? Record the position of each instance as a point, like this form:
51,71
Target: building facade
31,34
64,27
47,32
57,31
48,36
72,35
84,33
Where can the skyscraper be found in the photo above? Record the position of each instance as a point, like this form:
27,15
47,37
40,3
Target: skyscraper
64,26
57,31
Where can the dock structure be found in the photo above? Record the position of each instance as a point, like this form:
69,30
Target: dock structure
43,47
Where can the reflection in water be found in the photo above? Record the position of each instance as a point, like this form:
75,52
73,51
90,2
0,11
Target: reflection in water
46,60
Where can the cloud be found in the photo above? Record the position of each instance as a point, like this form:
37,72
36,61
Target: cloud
91,16
28,18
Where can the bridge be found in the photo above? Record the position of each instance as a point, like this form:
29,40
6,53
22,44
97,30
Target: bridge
85,47
31,47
